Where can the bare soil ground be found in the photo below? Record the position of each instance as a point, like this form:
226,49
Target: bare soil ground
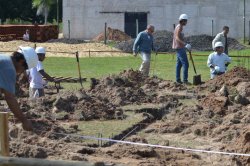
206,117
55,46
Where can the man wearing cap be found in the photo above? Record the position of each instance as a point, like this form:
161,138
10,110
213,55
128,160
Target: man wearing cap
222,37
10,66
218,60
36,75
144,44
180,46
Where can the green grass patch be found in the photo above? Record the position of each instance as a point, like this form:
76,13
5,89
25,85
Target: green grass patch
162,66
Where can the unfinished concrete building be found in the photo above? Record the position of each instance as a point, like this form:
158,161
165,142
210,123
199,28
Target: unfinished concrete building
86,18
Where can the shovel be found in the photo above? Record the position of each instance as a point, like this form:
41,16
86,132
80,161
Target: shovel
79,71
196,78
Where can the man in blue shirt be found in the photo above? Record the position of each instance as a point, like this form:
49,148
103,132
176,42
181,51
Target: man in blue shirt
144,44
10,66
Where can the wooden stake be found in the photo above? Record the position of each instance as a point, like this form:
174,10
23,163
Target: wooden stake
4,134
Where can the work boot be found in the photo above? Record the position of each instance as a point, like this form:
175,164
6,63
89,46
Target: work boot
179,81
187,83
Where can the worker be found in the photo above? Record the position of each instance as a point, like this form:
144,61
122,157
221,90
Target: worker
218,60
36,75
10,66
144,44
26,36
222,37
180,46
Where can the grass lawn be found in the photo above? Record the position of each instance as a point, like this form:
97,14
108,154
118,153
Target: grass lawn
162,65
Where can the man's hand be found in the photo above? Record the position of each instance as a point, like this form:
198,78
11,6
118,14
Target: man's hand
211,66
135,54
27,125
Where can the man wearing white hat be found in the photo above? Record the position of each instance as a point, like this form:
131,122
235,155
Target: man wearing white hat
36,75
218,60
180,46
21,60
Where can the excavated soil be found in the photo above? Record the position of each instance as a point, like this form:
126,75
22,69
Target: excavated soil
112,34
212,116
69,46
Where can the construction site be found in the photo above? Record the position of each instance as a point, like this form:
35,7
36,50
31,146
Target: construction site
106,99
129,119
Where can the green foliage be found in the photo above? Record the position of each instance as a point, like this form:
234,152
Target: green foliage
23,10
43,7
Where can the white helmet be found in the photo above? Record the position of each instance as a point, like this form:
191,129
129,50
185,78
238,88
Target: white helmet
29,55
40,50
218,44
183,17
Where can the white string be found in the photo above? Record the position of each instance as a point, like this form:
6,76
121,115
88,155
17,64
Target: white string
157,146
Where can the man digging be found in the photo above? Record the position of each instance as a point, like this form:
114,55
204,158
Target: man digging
10,66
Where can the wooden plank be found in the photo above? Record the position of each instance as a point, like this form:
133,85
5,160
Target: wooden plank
4,134
14,161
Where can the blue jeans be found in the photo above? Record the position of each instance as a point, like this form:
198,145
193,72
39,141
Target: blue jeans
182,61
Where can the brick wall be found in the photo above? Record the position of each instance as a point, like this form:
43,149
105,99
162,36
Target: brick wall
38,33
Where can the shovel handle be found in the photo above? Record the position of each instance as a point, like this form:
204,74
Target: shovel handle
191,58
78,66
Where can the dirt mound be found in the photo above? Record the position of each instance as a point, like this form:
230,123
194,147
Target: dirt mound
231,78
112,34
131,87
163,42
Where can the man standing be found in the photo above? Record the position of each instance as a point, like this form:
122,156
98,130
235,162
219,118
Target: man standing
222,37
36,75
144,44
218,61
180,46
10,66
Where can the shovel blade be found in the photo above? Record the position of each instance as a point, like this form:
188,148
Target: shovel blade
197,80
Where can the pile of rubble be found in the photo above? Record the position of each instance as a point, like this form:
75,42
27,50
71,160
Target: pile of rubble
112,34
163,42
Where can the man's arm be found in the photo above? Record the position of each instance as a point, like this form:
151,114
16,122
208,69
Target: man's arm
137,43
14,107
47,76
210,61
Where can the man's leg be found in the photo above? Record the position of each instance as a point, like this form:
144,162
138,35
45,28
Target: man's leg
34,92
184,60
178,67
145,66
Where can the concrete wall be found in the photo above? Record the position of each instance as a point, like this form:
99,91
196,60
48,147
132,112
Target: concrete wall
87,20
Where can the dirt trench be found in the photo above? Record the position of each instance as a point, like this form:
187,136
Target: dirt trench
207,117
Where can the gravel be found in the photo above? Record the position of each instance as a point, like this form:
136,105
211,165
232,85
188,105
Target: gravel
163,42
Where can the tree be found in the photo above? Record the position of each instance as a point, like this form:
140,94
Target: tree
43,7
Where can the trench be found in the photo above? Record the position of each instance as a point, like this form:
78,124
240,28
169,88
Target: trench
150,114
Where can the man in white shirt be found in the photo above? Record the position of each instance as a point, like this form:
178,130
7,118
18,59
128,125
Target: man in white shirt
26,36
218,60
36,75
